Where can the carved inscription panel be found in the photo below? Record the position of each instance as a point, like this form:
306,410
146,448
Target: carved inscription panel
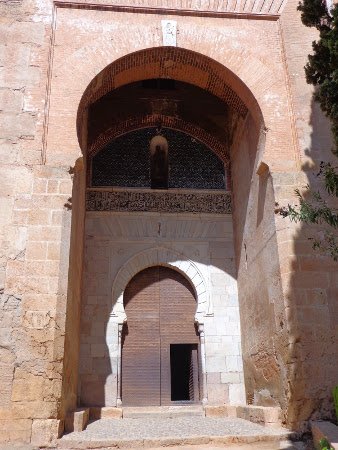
172,202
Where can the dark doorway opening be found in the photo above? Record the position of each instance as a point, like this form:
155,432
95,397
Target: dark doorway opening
184,372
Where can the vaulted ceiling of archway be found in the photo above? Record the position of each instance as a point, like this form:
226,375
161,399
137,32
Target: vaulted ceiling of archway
176,104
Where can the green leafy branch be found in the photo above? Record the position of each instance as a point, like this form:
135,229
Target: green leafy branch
322,67
325,445
313,209
321,71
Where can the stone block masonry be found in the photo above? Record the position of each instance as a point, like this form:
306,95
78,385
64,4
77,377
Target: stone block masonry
191,238
49,54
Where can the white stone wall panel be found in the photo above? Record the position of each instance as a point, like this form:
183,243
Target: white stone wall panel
119,245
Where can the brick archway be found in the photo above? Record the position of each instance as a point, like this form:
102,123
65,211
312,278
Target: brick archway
169,62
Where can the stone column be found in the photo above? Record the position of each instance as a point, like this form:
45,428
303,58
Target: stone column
203,365
119,368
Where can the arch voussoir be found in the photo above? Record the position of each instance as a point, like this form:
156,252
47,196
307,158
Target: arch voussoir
165,257
199,70
175,123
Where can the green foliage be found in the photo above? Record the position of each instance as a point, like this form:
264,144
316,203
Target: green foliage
313,11
321,71
314,209
325,445
335,400
322,67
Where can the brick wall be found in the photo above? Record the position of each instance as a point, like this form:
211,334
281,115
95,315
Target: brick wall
309,279
50,55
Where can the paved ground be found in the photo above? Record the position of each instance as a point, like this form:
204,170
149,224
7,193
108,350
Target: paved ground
283,445
178,431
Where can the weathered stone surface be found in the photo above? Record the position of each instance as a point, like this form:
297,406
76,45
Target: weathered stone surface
14,431
105,413
155,431
45,432
77,420
267,416
221,411
287,296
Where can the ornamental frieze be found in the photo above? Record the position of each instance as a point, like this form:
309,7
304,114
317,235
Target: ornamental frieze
168,202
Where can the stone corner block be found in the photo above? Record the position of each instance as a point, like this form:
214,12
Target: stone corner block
107,412
323,429
265,415
77,420
45,432
220,411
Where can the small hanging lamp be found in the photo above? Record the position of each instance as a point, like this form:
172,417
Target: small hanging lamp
159,162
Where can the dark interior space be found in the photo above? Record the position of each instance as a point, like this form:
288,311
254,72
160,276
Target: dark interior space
182,372
162,97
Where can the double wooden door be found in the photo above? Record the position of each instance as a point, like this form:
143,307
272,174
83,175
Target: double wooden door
160,342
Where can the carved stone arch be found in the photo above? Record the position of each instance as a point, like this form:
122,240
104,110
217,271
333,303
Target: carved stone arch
160,256
174,123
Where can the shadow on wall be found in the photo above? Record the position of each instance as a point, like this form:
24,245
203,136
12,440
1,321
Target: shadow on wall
258,282
258,271
286,292
311,299
68,311
288,340
259,287
99,349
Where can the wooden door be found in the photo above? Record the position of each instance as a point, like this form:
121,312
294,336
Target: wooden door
177,312
160,306
141,349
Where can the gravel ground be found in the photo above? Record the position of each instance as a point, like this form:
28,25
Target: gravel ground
179,433
180,427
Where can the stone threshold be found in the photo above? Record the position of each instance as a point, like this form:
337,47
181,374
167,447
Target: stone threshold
150,432
163,411
269,416
266,416
170,442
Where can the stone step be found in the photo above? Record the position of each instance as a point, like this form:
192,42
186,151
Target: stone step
167,412
151,432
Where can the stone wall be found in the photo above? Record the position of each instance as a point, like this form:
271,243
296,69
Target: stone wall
49,55
35,229
309,279
259,284
112,239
